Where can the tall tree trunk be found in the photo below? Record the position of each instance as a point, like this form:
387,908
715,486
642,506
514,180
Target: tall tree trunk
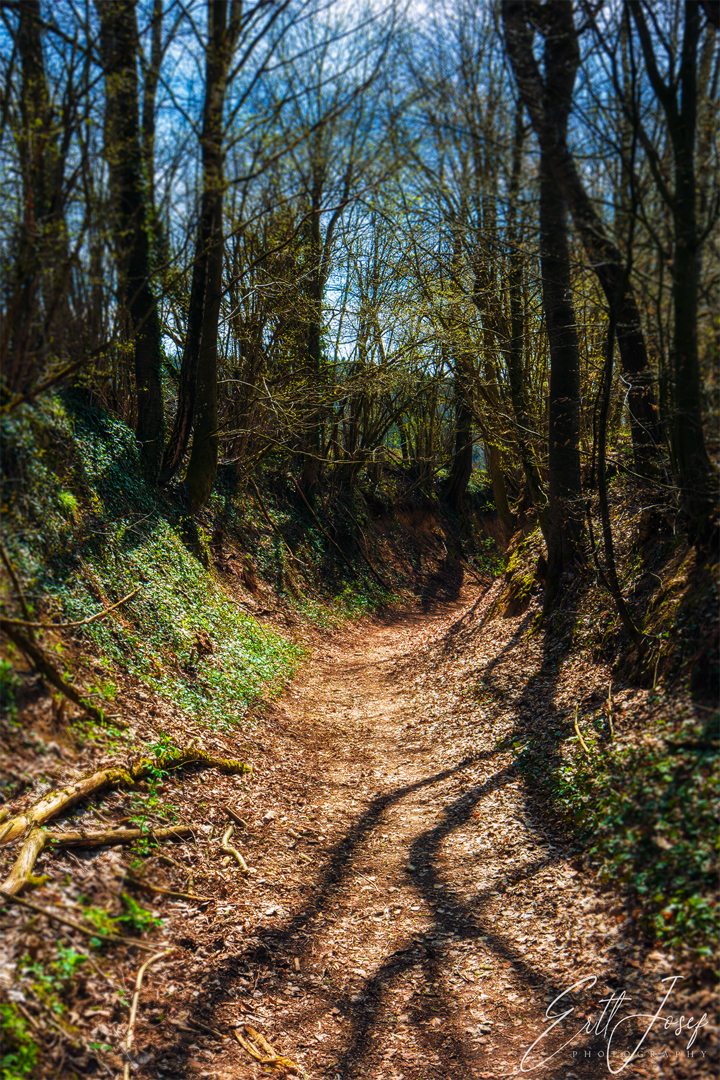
484,295
197,392
548,107
28,332
514,351
564,516
315,293
462,462
119,52
150,85
697,477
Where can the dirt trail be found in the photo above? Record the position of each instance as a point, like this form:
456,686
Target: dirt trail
411,915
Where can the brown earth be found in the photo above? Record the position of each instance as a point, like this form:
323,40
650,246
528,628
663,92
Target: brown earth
410,912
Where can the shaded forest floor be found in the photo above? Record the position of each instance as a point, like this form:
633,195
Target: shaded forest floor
411,910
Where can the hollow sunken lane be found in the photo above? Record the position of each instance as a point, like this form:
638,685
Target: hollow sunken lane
411,914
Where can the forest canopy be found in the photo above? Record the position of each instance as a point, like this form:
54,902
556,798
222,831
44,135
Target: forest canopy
333,238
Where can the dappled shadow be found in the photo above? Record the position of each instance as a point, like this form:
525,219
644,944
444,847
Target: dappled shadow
453,920
444,1050
444,583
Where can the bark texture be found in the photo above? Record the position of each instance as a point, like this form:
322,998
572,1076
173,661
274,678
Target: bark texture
547,100
130,221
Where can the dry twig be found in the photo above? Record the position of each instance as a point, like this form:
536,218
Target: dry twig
166,892
133,1008
69,625
224,846
577,732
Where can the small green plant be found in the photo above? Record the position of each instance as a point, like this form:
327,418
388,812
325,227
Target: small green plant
69,503
102,920
67,963
136,917
105,688
18,1049
647,814
9,684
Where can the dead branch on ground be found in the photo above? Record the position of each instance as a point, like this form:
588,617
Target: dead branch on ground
78,622
88,932
50,673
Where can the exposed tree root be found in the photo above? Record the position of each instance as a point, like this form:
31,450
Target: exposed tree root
21,874
115,836
231,851
55,802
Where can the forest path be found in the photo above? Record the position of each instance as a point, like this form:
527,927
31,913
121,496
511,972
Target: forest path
413,917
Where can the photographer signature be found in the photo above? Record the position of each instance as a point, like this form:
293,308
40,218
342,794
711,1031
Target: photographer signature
612,1024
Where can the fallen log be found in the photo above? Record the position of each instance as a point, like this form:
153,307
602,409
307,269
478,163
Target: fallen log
55,802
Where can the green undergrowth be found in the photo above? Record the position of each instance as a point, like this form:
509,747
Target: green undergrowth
647,814
84,530
644,807
18,1052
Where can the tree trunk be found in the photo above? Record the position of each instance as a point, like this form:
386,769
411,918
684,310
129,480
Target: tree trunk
316,289
514,351
461,468
202,467
564,516
119,51
26,332
197,392
697,477
548,102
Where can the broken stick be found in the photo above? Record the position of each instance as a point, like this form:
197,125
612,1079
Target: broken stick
262,1051
133,1008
